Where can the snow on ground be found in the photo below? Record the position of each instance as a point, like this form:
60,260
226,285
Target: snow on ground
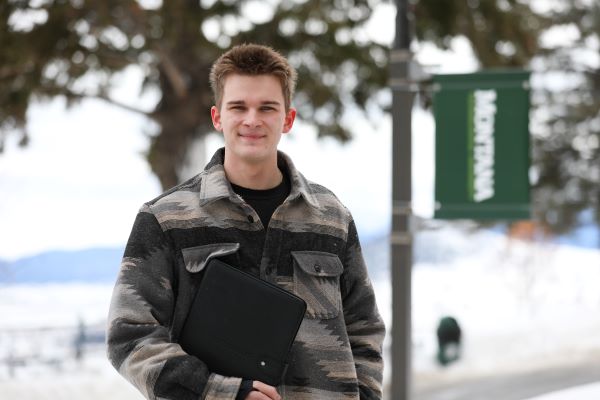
584,392
52,305
520,306
92,378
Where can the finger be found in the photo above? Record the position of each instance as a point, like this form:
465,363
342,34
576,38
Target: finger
256,395
266,389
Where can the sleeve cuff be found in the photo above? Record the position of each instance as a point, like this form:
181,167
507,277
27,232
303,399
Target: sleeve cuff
245,389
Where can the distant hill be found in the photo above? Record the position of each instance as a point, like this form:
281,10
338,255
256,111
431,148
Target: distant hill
431,247
90,265
98,265
449,242
439,247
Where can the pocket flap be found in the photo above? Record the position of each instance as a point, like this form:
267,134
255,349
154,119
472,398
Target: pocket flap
197,257
318,263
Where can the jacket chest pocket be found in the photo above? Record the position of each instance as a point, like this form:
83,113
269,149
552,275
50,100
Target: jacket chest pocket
196,258
317,281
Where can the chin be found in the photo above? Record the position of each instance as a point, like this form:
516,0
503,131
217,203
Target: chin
253,154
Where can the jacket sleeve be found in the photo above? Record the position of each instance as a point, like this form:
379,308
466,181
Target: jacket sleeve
141,310
364,325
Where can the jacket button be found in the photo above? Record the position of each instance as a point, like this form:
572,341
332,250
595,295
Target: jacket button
317,268
250,219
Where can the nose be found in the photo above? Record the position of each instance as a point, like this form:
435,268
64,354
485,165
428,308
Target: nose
251,119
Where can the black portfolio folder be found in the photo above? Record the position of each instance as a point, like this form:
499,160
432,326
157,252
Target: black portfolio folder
242,326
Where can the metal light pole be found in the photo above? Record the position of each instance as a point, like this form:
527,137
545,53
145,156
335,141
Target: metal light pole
401,237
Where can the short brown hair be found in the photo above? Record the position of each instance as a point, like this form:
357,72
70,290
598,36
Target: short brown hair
253,59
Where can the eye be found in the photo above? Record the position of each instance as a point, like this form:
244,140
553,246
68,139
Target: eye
267,108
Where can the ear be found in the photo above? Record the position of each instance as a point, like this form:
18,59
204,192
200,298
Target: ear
288,122
215,115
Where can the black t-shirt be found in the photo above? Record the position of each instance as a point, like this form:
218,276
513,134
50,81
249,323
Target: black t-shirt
266,201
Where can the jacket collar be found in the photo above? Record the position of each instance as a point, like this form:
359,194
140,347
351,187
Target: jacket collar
216,186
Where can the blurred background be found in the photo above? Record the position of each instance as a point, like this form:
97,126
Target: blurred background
104,104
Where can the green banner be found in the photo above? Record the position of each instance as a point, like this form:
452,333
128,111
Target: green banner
482,145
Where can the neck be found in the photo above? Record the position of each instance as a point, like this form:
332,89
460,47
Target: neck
259,176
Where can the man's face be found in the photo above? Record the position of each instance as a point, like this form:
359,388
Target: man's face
252,117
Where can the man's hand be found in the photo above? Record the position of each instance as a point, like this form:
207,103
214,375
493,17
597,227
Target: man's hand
262,391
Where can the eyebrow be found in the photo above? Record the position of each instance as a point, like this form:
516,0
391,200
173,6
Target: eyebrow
263,103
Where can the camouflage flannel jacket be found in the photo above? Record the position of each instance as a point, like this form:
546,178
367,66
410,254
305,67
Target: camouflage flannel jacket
310,247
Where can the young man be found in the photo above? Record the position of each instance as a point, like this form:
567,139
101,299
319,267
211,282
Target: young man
251,208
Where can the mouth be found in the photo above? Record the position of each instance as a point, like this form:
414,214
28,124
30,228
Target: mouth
251,136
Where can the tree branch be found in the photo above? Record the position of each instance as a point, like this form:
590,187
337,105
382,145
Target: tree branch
108,100
173,73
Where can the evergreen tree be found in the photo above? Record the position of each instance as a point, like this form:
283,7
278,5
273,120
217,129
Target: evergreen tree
561,46
48,46
566,117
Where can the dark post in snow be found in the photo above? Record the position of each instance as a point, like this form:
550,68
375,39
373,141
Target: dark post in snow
401,237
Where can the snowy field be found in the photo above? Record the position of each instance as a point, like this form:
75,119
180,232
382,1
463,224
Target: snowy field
520,306
584,392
